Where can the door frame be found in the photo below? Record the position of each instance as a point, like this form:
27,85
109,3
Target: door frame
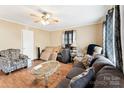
22,41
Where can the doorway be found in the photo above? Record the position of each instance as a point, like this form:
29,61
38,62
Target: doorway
28,43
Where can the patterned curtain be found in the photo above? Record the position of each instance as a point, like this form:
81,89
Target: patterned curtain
109,37
104,43
122,31
112,47
69,38
118,48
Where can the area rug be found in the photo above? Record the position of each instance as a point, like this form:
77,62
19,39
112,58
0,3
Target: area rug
23,78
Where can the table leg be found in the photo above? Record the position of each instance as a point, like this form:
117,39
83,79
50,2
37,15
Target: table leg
46,81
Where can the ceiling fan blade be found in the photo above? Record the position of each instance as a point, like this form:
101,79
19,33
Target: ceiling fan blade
37,21
43,12
34,15
44,17
53,20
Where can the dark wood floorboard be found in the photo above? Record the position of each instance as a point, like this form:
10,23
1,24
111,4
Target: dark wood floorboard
23,78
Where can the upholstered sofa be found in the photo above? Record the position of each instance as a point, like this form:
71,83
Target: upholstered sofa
64,56
11,60
103,75
49,53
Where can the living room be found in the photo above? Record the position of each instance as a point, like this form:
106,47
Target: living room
37,41
42,38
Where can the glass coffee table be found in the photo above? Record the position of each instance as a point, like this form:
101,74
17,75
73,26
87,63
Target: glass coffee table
44,70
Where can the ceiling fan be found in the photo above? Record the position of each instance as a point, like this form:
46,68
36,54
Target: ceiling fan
45,18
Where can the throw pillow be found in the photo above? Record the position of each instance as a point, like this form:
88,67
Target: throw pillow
53,56
56,49
50,49
82,80
45,55
5,53
97,50
14,53
91,63
86,60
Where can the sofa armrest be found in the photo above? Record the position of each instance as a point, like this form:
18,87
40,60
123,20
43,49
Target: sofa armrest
4,62
21,56
59,57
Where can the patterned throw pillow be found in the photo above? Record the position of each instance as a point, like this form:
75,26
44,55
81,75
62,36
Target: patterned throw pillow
46,55
82,80
86,60
14,53
10,53
53,56
50,53
4,53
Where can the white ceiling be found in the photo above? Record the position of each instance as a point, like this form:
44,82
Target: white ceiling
70,16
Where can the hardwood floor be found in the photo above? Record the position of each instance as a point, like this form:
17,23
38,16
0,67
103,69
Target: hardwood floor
23,78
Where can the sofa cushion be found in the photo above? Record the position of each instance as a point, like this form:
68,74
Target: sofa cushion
64,83
74,72
21,56
46,55
64,56
49,49
82,80
14,53
53,49
86,60
79,65
53,56
5,53
100,61
109,77
92,61
97,67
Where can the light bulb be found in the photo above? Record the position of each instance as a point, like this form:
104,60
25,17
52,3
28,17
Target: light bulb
45,22
47,15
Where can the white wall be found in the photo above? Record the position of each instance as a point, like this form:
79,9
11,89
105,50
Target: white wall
10,36
85,36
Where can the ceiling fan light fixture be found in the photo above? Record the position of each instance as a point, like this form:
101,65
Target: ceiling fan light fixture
48,15
45,22
46,18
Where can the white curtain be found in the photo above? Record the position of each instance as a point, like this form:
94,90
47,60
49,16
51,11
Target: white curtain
63,43
74,37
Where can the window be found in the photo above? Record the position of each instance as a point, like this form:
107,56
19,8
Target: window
68,38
